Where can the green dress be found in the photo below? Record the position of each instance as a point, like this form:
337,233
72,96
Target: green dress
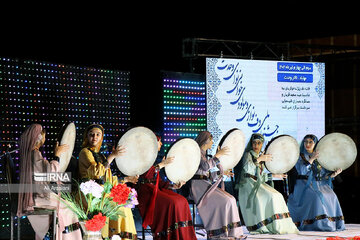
263,208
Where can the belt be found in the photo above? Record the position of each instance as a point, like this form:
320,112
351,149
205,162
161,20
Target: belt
145,180
306,177
72,227
302,177
248,175
199,177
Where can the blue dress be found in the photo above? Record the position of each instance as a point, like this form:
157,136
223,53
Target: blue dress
313,205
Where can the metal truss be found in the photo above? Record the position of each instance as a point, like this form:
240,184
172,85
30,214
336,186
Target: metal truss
195,48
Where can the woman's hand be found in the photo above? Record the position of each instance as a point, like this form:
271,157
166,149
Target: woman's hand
166,161
229,173
116,152
335,173
280,175
60,149
131,179
264,158
178,185
222,151
313,156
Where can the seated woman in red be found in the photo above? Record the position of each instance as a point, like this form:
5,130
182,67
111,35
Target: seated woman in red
166,212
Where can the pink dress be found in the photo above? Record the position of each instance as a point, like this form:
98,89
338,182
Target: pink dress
68,226
218,209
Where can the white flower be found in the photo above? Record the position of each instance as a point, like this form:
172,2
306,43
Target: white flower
116,237
92,187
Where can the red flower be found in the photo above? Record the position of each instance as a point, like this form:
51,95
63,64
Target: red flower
96,223
342,238
120,193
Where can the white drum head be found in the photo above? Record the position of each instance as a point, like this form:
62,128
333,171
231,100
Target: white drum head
285,153
235,141
68,137
336,150
141,150
186,162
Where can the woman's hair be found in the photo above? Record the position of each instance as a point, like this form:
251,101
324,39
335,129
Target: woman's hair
203,137
86,140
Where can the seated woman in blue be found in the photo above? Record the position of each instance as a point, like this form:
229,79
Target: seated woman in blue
312,203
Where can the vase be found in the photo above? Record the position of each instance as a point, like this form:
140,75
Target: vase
90,235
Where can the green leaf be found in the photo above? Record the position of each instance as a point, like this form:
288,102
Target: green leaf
95,203
107,187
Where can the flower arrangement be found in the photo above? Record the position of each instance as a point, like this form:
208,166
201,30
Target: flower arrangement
102,201
132,201
343,238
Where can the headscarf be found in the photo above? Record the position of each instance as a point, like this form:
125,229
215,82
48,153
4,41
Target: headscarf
292,174
302,148
316,168
86,140
239,167
203,137
254,136
27,143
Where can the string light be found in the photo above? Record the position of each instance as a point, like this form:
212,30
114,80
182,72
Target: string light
52,94
184,109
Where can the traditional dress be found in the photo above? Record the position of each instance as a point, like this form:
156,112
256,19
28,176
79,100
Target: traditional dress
263,208
32,161
91,167
166,212
313,205
217,208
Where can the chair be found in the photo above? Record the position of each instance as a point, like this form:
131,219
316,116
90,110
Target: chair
143,231
137,215
200,226
10,172
40,211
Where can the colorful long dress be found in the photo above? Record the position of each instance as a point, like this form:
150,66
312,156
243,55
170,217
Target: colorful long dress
217,208
170,213
313,204
263,208
91,167
68,226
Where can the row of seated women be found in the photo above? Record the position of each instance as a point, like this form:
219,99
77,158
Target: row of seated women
311,206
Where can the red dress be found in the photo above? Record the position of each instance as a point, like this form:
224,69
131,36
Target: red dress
171,218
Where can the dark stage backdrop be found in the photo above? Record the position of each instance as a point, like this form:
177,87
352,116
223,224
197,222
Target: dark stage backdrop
53,94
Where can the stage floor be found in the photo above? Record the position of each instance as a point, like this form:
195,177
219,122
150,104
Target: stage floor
351,231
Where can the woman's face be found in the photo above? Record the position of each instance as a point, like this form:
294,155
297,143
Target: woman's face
257,145
94,137
209,143
159,145
43,138
309,145
38,144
